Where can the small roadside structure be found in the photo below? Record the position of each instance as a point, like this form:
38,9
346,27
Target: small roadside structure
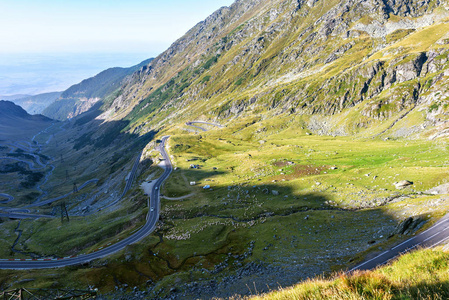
192,183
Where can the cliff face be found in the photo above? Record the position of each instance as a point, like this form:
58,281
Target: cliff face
361,61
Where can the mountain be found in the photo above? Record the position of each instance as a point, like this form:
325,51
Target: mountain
10,111
36,104
15,122
14,97
325,108
352,65
82,96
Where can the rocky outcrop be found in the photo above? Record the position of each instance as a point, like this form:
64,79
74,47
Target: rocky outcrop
409,225
403,184
441,189
290,57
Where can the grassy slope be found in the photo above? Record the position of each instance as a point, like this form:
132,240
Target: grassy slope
244,163
238,168
422,274
239,210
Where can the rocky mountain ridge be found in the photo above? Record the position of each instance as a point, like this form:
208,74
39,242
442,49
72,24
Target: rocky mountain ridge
297,57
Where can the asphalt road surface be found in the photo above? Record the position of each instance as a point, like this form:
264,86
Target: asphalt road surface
148,228
433,236
131,175
48,201
202,122
17,215
9,198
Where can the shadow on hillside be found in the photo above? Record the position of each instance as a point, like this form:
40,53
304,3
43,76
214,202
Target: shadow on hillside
270,235
86,148
266,225
102,134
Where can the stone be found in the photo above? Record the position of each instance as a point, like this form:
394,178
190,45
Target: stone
409,225
402,184
441,189
275,193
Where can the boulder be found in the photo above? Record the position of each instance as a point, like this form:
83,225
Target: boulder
409,225
402,184
441,189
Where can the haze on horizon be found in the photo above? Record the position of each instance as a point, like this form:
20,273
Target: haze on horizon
48,45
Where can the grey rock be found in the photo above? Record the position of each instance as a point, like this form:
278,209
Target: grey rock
409,225
402,184
441,189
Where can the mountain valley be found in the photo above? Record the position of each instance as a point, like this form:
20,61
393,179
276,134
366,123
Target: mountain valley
305,137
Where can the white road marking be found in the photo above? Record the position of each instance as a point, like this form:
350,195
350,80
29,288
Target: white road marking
404,242
437,243
369,260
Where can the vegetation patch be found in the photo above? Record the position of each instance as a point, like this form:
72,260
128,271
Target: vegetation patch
418,275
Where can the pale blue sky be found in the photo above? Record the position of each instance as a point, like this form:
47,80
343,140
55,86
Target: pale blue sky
98,25
48,45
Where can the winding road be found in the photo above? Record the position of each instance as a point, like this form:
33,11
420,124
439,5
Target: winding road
148,228
190,123
433,236
48,201
9,198
132,174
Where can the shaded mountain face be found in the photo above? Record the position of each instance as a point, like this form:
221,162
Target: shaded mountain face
9,109
82,96
16,123
350,64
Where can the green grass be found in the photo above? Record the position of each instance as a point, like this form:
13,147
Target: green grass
51,237
241,205
316,211
177,185
422,274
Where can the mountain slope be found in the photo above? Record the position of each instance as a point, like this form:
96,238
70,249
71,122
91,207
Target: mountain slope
16,123
283,204
358,64
82,96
